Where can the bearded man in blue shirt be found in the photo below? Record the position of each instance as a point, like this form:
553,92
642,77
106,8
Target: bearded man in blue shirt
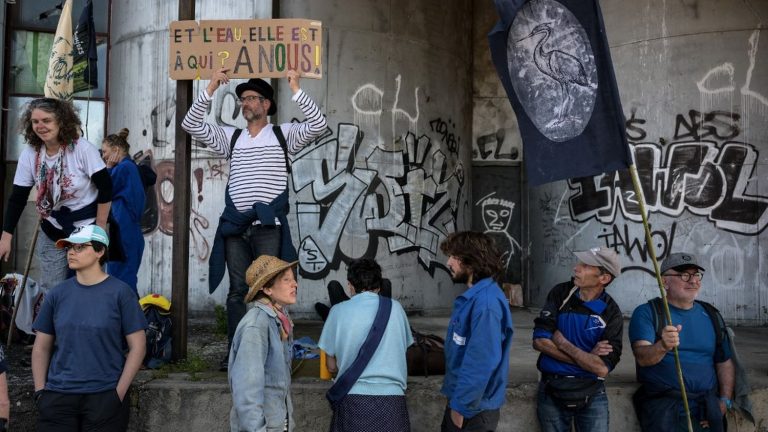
478,338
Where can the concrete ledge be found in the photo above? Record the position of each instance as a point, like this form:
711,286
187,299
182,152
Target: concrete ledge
178,403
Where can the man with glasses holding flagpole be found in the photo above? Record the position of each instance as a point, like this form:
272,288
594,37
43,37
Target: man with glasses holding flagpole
698,332
254,221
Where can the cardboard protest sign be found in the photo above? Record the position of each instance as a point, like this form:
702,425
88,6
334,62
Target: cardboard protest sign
249,48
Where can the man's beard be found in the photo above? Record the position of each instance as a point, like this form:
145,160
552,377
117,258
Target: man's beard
462,277
249,115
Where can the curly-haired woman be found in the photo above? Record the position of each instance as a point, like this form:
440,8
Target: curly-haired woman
73,186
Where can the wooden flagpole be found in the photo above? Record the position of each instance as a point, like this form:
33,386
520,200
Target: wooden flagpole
662,293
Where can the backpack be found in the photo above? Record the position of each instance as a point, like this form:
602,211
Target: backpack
158,336
721,332
426,356
149,216
280,138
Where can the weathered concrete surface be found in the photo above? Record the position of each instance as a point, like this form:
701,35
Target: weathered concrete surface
178,404
389,179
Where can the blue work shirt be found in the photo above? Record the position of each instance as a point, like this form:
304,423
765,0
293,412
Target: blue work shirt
477,350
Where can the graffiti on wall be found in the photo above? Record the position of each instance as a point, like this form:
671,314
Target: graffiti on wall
352,190
501,145
703,170
407,197
632,245
158,212
497,216
355,190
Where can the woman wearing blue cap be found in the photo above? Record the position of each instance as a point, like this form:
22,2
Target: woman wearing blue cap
80,370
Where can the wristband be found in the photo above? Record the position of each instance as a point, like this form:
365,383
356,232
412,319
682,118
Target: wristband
728,403
3,424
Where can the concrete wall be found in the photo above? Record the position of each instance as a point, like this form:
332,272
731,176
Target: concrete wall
175,405
694,85
389,177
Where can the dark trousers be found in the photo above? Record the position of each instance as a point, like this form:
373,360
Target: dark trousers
485,421
62,412
241,250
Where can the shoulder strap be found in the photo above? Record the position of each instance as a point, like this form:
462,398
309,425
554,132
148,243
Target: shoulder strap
345,382
281,139
657,308
235,136
717,321
568,297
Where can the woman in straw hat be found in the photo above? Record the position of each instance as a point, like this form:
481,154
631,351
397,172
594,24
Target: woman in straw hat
260,357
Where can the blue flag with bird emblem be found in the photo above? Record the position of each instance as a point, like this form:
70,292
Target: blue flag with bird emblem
554,62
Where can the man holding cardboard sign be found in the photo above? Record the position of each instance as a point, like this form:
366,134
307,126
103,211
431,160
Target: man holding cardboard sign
254,221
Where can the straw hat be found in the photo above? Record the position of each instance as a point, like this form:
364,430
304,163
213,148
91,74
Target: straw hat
261,271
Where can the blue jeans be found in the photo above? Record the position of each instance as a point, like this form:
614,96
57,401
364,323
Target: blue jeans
592,418
54,268
241,250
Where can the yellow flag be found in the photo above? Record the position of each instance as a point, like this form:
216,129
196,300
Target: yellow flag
58,82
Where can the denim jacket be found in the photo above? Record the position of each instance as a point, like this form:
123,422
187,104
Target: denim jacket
260,374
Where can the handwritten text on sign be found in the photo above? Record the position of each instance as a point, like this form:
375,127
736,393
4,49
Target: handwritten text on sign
261,48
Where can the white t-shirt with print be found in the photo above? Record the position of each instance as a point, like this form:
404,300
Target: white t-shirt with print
77,189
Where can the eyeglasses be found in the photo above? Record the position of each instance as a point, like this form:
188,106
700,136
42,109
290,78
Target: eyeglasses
77,247
250,99
686,277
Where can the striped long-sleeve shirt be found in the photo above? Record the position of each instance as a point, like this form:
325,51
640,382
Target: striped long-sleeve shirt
257,164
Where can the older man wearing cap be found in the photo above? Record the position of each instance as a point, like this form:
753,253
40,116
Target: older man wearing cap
80,368
254,220
578,334
698,332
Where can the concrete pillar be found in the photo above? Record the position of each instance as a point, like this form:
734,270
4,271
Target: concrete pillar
142,98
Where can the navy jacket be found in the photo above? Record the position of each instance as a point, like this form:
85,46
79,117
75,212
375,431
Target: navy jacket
233,222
